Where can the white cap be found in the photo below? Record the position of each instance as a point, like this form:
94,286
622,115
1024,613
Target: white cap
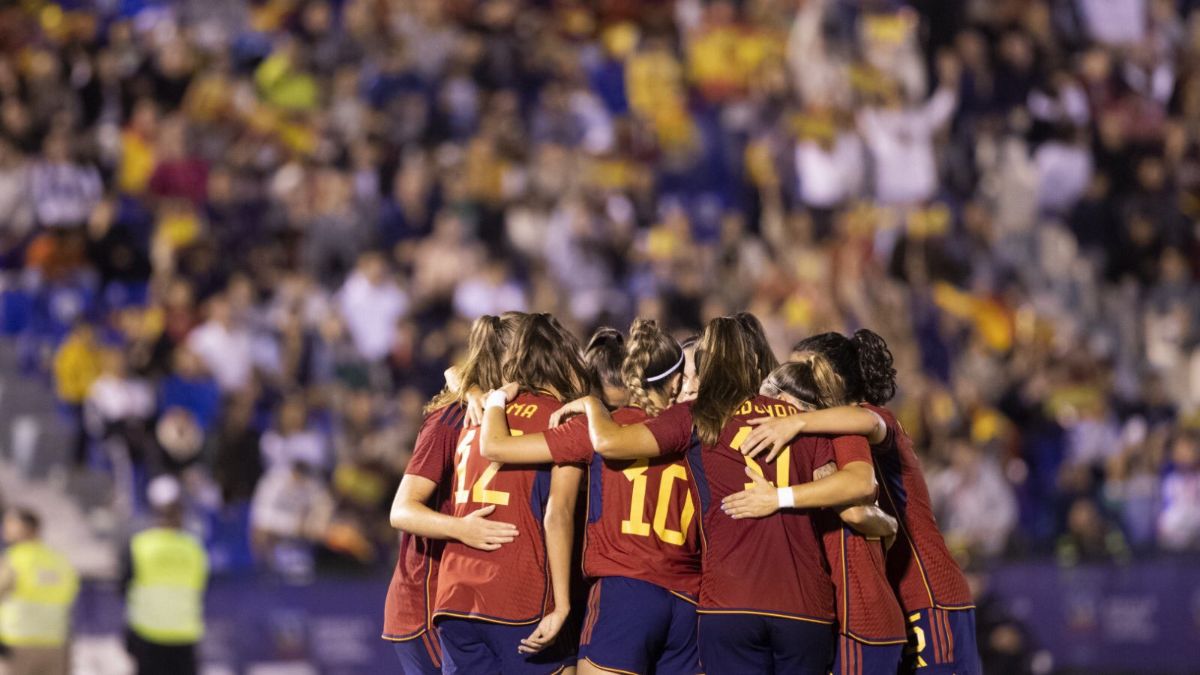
163,492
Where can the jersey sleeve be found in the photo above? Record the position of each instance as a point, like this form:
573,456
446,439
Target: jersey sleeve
848,449
672,429
889,423
434,446
570,443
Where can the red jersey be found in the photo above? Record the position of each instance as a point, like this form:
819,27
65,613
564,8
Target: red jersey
408,610
866,605
510,585
771,566
919,565
641,513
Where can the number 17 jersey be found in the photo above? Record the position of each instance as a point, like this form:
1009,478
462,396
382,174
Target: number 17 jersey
510,585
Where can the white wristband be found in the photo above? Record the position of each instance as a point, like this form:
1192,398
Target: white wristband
496,399
786,499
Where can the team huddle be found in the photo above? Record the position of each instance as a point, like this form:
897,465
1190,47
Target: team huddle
640,505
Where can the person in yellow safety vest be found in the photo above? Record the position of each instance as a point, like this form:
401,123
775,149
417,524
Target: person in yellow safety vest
37,589
165,574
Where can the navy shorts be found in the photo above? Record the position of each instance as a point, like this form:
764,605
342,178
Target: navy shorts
635,626
941,642
470,647
859,658
421,655
735,644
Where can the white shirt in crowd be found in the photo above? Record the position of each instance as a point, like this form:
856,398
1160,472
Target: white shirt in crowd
226,351
901,143
306,447
371,311
978,509
1114,22
1179,521
829,176
16,210
112,398
289,504
479,295
1064,171
64,194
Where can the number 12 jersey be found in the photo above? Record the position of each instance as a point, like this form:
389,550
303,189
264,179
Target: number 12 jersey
510,585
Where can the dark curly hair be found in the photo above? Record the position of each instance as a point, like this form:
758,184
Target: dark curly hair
863,361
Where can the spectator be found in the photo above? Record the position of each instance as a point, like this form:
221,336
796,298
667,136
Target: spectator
64,190
900,139
1089,538
976,506
290,509
371,304
191,388
119,406
224,345
16,208
76,367
1179,520
292,441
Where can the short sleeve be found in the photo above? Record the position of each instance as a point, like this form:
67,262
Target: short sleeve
889,422
672,429
570,443
433,450
849,449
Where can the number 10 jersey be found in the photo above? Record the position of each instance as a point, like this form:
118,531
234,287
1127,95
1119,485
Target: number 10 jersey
641,514
510,585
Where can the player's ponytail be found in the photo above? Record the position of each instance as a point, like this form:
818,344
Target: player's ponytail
654,359
727,366
875,368
482,369
764,356
604,356
546,355
812,381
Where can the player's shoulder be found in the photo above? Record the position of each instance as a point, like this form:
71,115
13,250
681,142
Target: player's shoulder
447,418
629,415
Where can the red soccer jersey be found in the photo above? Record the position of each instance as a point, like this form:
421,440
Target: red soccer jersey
640,513
919,565
407,612
510,585
866,605
771,566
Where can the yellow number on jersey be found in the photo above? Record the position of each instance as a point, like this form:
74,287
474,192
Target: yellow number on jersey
636,523
783,463
919,637
479,492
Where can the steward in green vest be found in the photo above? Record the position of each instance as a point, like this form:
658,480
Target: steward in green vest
166,574
37,589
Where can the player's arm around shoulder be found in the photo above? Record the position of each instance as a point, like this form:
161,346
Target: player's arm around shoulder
496,440
411,513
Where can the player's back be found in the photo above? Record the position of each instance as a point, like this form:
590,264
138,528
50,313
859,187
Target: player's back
642,519
770,565
510,584
919,565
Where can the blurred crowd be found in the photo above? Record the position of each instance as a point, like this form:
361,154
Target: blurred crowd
244,238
